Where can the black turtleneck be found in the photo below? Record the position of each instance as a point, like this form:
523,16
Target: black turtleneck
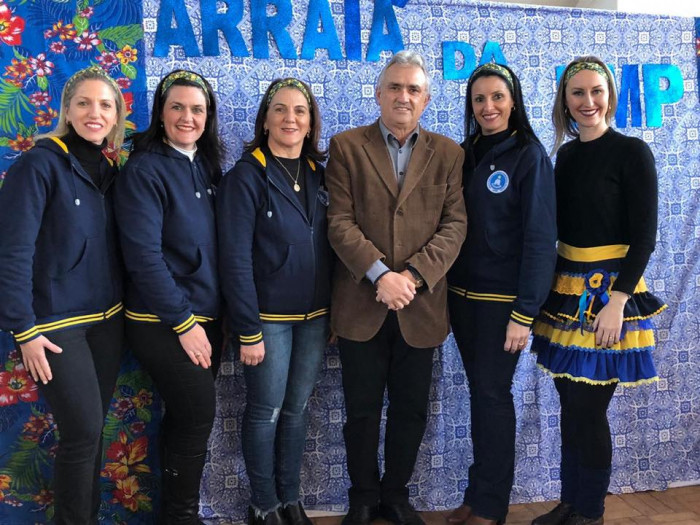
485,142
89,156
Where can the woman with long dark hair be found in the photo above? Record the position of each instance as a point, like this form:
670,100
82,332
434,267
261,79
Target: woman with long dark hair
165,210
501,277
61,284
275,263
595,329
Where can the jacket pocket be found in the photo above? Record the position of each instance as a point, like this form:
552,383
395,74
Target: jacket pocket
200,283
86,286
289,287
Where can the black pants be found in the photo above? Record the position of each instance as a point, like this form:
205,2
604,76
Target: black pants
84,376
186,389
586,445
385,361
479,328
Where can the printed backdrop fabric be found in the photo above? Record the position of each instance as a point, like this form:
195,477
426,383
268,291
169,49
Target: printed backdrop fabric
656,428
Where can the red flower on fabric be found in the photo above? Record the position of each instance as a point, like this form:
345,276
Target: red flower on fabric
44,498
126,456
127,493
21,143
41,66
45,118
36,428
64,32
57,47
124,82
40,98
87,40
16,385
18,70
108,60
87,12
11,26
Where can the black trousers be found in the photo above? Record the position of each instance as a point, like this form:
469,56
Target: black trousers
368,368
79,395
586,444
186,389
479,328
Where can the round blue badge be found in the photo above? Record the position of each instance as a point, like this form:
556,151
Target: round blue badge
497,181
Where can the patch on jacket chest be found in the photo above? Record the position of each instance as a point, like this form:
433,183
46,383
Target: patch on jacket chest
497,182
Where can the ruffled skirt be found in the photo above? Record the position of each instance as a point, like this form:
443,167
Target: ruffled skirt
564,339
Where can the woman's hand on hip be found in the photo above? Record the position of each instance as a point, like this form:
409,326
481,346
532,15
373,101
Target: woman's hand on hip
34,358
197,346
517,336
253,355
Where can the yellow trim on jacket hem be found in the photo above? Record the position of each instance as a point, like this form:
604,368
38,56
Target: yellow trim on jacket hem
594,254
67,323
277,318
494,297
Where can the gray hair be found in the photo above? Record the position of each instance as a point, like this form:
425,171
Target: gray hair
406,58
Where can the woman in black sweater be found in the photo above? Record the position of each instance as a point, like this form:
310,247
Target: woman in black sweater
594,329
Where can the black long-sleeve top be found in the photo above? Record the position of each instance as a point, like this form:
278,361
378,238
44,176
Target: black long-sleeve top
607,194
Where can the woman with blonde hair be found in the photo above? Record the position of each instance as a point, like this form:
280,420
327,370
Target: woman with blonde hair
594,330
62,282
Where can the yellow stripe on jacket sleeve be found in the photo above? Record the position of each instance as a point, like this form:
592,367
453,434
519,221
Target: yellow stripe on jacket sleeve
521,319
250,339
27,335
185,325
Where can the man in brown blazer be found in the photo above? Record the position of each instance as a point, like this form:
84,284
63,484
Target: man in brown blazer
397,221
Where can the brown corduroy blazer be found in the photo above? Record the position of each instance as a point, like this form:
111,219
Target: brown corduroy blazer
369,218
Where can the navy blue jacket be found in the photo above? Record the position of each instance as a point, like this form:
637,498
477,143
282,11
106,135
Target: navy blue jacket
166,217
61,266
510,250
275,260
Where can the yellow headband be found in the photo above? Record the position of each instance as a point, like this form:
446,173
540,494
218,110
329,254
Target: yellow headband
184,75
496,68
289,82
580,66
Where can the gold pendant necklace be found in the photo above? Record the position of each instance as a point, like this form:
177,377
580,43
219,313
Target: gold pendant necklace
295,180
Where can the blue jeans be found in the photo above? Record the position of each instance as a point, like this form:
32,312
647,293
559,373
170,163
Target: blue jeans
274,422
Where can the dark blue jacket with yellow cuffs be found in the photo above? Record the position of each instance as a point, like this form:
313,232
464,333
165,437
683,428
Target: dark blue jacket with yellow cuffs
61,265
510,251
166,216
275,259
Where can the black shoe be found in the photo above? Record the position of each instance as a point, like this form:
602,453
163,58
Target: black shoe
360,515
180,489
557,516
400,513
294,514
577,519
274,517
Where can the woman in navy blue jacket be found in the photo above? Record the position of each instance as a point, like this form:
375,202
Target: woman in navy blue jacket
275,270
61,284
501,277
165,211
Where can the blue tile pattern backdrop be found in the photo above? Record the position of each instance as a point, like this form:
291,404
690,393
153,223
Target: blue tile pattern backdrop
656,428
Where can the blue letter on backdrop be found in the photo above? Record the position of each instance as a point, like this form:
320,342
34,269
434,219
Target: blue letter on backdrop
654,96
180,35
353,47
212,22
378,40
275,25
629,92
327,38
449,63
492,53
